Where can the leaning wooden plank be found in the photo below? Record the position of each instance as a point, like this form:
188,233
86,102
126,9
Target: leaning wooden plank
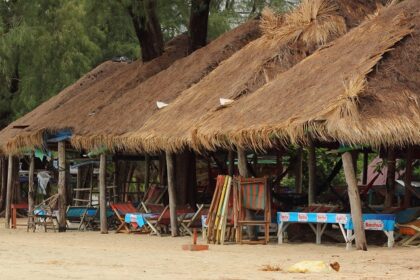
219,210
225,211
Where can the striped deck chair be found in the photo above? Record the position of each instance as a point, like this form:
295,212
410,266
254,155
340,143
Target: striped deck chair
152,197
252,194
120,210
162,222
189,222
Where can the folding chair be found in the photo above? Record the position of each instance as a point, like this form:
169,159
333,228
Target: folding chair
163,221
120,210
411,233
152,197
189,222
43,214
81,215
252,194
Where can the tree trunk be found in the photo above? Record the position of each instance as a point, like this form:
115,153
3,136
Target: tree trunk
408,176
298,171
9,190
243,163
311,172
199,16
146,172
31,184
355,204
365,167
102,194
390,179
62,186
185,178
147,28
172,193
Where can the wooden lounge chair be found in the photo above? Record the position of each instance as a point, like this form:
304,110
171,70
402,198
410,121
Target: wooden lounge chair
153,197
160,224
43,215
120,210
252,194
411,233
190,222
80,215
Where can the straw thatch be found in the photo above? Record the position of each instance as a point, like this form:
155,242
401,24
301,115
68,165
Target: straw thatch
287,40
96,118
108,80
363,89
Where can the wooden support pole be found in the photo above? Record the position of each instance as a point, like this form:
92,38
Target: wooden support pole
62,186
408,176
311,172
3,182
9,190
172,193
298,171
231,159
355,204
31,185
243,163
365,167
102,193
146,172
390,178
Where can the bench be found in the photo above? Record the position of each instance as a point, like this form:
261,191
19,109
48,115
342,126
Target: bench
14,208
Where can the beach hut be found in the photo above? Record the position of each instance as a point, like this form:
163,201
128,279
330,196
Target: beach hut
362,89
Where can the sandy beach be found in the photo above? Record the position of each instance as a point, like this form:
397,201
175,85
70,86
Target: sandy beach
90,255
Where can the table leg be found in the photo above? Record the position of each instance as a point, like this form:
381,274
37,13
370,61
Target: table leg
318,233
14,218
391,240
280,233
349,239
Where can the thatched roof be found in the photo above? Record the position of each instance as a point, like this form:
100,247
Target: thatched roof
101,116
108,80
364,88
287,40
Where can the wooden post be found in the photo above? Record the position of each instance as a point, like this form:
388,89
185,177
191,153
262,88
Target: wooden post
242,163
390,178
3,182
62,186
31,185
365,167
146,172
311,172
355,204
9,190
102,194
298,171
172,193
408,176
231,159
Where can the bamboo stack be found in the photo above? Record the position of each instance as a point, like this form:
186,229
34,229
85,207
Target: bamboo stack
219,210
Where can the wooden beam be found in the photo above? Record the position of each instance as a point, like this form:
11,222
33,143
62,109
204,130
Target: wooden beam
408,176
31,185
311,172
298,171
102,194
62,186
9,190
172,193
243,163
390,179
355,204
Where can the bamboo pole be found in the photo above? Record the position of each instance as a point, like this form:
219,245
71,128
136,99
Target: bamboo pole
62,186
31,185
311,172
408,176
355,204
172,193
102,194
9,190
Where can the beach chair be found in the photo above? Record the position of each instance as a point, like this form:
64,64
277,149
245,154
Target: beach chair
411,233
120,210
43,215
161,223
188,222
80,215
252,194
152,197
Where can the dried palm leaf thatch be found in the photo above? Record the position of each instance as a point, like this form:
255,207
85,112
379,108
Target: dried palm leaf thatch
240,75
270,22
315,22
377,104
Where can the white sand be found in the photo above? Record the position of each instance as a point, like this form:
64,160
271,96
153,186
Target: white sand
90,255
